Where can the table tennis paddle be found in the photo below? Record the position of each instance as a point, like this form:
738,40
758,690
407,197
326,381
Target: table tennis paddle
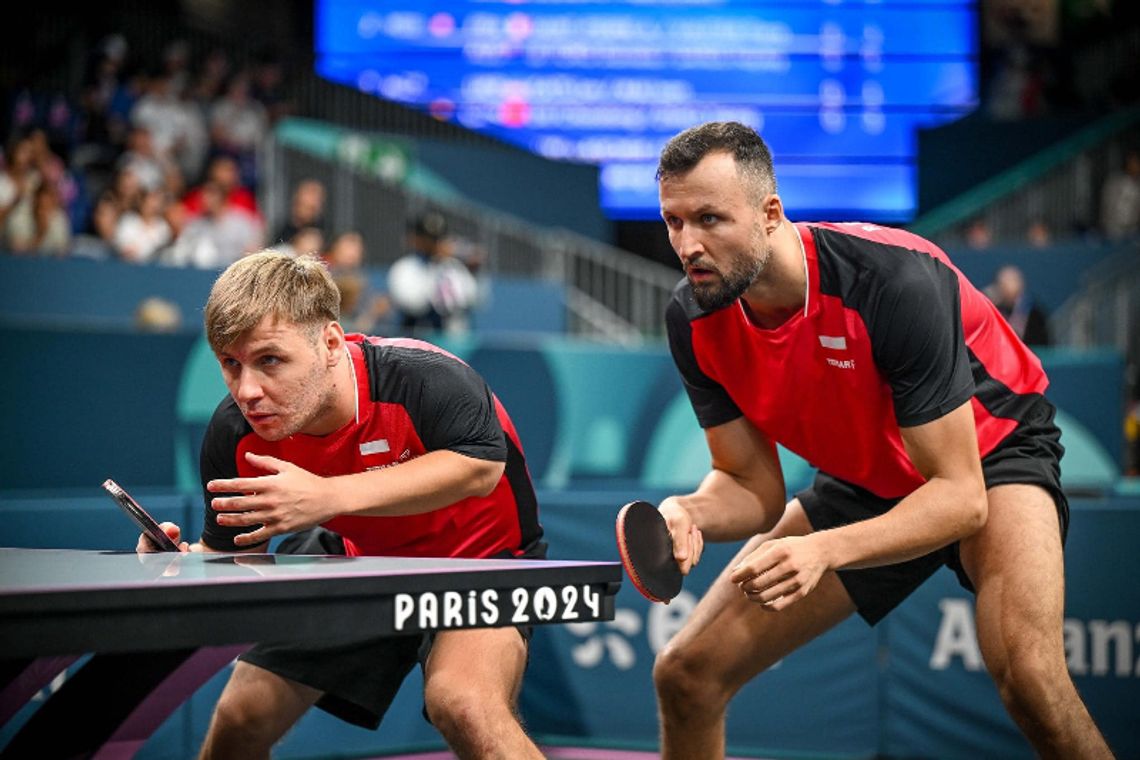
646,551
142,519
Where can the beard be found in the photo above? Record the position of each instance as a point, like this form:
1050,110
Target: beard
743,271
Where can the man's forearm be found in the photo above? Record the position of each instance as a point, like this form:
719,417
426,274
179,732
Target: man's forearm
935,515
725,509
436,479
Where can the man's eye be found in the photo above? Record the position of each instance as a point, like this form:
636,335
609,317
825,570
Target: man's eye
269,361
708,218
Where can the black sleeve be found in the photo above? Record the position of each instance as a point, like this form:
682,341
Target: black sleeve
918,343
449,404
710,400
218,459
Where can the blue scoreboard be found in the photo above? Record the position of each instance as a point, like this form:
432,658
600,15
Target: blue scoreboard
836,87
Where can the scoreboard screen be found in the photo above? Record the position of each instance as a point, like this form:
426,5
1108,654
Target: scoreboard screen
836,87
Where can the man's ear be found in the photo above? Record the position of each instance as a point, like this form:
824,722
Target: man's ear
773,210
333,338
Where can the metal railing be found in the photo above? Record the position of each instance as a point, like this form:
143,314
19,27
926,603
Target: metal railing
1060,187
611,294
1106,310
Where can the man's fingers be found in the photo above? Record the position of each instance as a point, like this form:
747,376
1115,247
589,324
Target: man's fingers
698,540
771,593
236,485
237,503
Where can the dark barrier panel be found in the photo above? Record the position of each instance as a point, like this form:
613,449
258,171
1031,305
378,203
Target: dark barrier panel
79,407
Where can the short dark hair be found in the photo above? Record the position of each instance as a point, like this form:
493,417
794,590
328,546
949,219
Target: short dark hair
431,225
753,159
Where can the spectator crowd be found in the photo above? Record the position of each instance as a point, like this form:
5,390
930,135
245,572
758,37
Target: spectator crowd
151,161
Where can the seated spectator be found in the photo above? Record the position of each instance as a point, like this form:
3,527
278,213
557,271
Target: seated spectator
153,169
1038,234
42,227
1011,298
1120,199
52,168
142,232
306,241
306,209
361,309
239,125
218,237
267,81
223,171
430,288
19,177
97,239
978,235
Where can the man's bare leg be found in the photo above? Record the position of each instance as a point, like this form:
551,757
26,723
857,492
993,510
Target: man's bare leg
726,642
471,685
255,710
1017,567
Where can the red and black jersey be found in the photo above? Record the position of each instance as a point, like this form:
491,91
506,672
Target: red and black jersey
412,398
892,335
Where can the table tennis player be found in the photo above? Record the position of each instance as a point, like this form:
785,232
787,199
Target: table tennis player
863,350
396,448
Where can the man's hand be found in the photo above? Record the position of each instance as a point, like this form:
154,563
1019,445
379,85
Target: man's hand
781,572
688,543
146,546
287,500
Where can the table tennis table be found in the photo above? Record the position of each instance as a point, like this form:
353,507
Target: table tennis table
158,626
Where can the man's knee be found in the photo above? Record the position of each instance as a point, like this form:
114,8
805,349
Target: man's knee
1027,672
463,708
683,678
239,727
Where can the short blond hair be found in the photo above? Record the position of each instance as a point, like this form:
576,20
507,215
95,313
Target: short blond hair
296,289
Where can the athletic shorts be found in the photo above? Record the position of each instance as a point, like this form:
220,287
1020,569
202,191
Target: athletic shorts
359,679
1031,454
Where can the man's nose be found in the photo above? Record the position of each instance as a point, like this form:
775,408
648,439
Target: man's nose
247,387
688,245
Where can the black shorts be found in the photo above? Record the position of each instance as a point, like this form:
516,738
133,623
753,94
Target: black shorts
1031,454
359,679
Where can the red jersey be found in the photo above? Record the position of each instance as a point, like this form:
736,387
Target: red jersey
892,335
411,398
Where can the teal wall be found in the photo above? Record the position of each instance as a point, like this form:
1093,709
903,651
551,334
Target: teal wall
80,406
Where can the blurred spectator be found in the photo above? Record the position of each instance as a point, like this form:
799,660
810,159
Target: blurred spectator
238,126
1009,295
42,227
430,288
153,169
1038,234
307,240
978,235
223,171
161,113
106,98
218,237
306,209
210,81
142,232
267,86
1120,199
97,240
19,177
52,168
176,65
360,308
1024,76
